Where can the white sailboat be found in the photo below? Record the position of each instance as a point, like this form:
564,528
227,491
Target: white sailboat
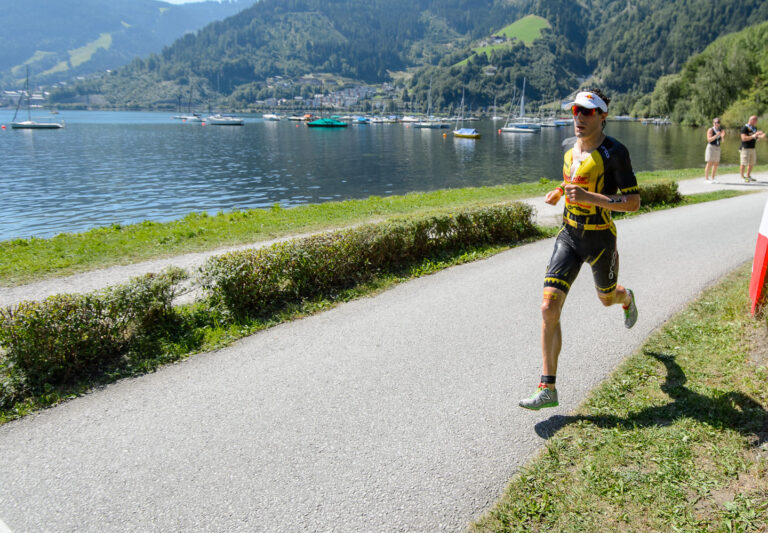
495,117
430,122
521,124
30,124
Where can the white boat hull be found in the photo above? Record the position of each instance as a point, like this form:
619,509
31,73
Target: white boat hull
32,125
224,121
518,129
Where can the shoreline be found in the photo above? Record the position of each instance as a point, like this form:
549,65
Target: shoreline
91,276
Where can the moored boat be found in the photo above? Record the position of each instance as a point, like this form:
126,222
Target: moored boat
326,123
30,124
224,120
466,133
521,124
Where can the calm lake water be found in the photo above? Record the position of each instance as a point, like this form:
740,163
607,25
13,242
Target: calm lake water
125,167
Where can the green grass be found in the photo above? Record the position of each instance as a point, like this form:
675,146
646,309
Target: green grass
78,56
526,30
25,260
674,440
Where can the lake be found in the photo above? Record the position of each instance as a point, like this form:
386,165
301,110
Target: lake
123,167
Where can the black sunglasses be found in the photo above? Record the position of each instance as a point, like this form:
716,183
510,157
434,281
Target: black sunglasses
587,112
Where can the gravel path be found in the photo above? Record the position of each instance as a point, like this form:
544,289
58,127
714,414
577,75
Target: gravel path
392,413
98,279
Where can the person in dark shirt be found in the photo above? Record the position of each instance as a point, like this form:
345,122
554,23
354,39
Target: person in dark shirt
597,179
748,155
715,134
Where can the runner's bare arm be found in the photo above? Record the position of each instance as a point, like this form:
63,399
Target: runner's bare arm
615,202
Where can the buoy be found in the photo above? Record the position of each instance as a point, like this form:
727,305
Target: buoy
445,135
499,130
3,126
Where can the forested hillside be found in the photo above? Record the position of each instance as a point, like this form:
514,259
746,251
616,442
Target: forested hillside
60,39
633,43
623,45
729,78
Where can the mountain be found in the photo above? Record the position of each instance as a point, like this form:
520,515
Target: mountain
633,43
728,79
60,39
484,47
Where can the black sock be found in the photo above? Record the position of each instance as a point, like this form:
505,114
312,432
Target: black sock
548,380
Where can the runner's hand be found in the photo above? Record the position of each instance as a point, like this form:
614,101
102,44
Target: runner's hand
553,197
574,193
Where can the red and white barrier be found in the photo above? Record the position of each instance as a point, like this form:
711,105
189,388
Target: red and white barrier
760,262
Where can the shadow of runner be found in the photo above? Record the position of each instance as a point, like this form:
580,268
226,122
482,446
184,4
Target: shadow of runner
732,410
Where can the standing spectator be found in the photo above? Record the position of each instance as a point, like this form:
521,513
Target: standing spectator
749,134
712,154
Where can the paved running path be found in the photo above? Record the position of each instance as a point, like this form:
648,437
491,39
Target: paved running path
392,413
98,279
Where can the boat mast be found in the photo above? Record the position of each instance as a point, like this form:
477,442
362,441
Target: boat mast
522,101
26,94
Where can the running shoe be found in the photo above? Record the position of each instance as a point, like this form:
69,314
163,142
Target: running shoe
542,398
630,312
748,179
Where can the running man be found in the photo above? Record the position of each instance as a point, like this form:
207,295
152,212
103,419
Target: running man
597,179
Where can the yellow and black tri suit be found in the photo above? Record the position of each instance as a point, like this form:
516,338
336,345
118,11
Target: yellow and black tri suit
588,233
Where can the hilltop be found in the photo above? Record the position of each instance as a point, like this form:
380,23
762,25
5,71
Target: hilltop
484,47
62,39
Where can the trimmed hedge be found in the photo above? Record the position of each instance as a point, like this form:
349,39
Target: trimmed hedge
254,281
68,336
663,193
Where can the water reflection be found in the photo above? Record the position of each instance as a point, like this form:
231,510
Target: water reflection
112,167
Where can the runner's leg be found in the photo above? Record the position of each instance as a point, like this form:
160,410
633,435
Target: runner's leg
551,334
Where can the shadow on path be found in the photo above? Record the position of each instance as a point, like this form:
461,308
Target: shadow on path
733,410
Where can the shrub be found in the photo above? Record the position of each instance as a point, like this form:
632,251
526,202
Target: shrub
68,336
253,281
663,193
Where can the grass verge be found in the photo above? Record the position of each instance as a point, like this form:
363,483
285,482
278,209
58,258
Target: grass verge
26,260
675,440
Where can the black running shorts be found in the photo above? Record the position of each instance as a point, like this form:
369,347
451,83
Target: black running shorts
574,247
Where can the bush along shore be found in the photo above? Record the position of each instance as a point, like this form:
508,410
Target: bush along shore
65,344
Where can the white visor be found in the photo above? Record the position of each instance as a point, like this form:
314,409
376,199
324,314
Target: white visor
590,101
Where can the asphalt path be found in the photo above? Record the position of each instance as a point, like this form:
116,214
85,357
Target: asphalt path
391,413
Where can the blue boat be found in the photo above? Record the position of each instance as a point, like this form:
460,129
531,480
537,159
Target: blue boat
327,123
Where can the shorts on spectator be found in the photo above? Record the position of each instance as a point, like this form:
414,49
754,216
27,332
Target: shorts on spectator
712,155
748,157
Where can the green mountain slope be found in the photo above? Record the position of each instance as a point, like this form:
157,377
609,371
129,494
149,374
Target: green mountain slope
65,38
729,78
263,51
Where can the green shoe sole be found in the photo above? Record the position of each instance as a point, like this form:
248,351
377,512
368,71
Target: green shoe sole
544,406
